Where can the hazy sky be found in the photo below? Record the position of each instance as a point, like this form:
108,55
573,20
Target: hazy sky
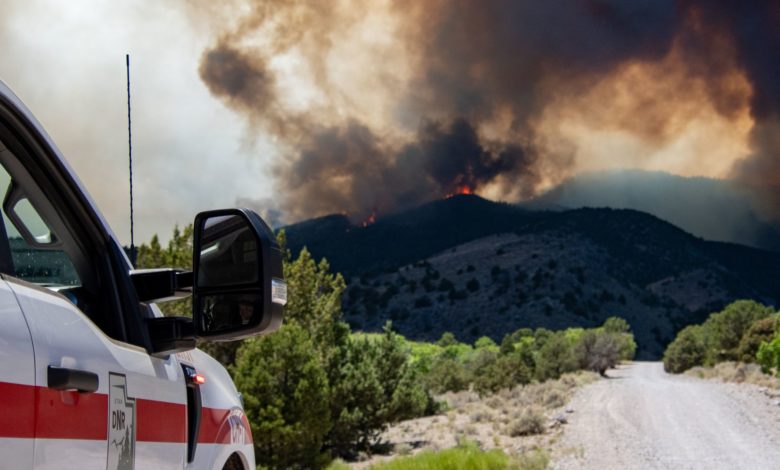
66,61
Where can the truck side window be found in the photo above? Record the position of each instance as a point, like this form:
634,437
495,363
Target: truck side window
48,238
37,264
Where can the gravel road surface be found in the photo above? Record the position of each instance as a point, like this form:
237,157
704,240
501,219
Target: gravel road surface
643,418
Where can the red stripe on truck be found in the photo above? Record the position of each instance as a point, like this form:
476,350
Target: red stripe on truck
17,415
73,415
160,421
70,415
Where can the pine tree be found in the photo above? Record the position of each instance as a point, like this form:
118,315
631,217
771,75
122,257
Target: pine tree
286,395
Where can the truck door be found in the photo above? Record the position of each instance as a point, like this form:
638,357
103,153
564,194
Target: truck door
17,385
101,400
136,417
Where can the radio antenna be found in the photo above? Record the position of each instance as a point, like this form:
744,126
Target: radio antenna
133,254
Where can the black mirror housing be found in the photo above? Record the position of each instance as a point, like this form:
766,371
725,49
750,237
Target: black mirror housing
238,284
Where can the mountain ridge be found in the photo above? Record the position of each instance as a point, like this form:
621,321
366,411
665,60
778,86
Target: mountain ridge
711,208
476,267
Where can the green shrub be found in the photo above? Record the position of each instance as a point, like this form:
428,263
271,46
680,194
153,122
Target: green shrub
622,331
286,395
616,325
402,394
313,390
555,357
768,356
423,355
464,457
459,351
373,385
689,349
447,375
485,342
447,339
522,333
726,328
541,335
627,346
733,334
505,371
598,350
507,345
355,398
526,350
761,331
481,370
522,356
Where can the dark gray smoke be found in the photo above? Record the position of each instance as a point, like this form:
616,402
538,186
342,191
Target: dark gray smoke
482,73
229,73
479,56
754,28
349,169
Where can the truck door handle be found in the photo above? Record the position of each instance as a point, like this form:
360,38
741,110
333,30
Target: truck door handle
60,378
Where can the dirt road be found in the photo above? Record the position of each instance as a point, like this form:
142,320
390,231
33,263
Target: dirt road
643,418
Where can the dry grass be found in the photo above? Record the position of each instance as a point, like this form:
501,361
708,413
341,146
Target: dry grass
481,414
530,421
512,420
736,372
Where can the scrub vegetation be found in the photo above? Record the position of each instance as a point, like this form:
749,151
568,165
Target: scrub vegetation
315,391
744,331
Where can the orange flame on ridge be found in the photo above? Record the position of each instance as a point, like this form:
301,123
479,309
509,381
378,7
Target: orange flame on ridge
460,189
370,220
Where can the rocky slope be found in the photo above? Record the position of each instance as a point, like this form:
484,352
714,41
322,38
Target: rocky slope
476,268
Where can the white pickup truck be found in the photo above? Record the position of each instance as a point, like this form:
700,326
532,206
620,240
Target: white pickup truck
91,373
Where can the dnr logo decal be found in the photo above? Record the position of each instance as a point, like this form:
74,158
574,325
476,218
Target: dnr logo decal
121,425
237,430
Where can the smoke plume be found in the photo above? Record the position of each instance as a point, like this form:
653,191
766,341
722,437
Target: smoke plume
377,106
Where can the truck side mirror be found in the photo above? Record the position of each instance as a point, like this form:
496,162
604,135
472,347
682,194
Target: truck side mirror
238,285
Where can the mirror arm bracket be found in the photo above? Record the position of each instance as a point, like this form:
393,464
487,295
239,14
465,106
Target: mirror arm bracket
161,285
171,335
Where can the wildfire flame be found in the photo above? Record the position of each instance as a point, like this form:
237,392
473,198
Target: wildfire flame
370,220
464,189
460,189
